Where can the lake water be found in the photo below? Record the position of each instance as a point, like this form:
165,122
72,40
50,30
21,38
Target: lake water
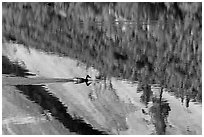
109,106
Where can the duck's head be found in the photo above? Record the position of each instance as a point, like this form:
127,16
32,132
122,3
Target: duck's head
87,76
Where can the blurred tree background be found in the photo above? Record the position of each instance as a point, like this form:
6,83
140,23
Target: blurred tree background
149,42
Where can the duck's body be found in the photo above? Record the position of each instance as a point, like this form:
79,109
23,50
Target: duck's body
78,80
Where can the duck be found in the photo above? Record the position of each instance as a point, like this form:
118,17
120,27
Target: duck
78,80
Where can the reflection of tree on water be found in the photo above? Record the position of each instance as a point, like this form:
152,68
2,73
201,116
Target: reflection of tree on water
107,102
147,94
159,110
187,100
187,96
159,113
114,111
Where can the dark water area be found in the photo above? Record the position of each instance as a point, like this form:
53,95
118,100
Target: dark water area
47,101
13,68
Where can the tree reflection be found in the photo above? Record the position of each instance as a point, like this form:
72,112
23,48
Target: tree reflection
159,113
147,94
106,100
187,101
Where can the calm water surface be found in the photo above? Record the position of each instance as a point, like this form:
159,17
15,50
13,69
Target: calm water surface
109,106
